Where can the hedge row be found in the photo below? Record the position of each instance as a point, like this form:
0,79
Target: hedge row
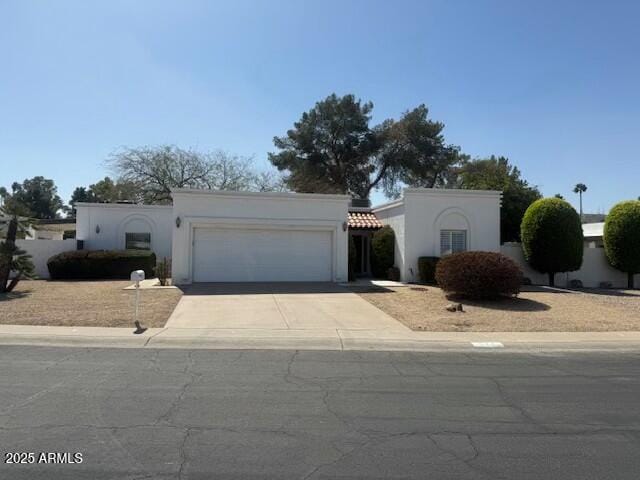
98,264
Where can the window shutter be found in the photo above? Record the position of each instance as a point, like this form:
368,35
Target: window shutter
452,241
445,242
459,241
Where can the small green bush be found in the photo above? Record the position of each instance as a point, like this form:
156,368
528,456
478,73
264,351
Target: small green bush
427,269
163,271
393,274
99,264
552,239
479,275
382,251
622,238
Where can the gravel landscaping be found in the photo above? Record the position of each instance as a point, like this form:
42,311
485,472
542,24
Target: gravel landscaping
85,303
534,310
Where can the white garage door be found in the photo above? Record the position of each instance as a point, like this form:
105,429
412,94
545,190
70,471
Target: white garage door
252,255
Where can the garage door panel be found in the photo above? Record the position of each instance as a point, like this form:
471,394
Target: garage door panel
257,255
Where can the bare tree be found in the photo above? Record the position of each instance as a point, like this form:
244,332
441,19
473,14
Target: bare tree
269,181
229,172
157,170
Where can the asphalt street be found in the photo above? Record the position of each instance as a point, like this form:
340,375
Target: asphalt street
166,414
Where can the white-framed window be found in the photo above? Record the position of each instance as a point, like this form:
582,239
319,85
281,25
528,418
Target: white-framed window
452,241
137,241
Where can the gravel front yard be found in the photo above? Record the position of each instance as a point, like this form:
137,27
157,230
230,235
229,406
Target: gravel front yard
535,310
85,304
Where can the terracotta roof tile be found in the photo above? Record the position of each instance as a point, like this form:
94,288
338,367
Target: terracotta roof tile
363,220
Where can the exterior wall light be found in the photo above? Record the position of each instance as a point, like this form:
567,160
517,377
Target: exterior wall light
178,222
98,229
345,225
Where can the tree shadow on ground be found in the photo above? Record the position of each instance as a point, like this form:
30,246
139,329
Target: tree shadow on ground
5,297
508,304
609,292
612,292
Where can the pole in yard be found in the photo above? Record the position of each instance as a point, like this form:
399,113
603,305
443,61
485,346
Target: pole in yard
137,276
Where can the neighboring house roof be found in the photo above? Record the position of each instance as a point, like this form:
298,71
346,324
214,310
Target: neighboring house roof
591,230
363,220
55,225
593,217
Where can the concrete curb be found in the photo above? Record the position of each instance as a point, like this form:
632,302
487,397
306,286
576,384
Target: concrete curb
327,339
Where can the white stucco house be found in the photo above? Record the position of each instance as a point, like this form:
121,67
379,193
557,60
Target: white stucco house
434,222
219,236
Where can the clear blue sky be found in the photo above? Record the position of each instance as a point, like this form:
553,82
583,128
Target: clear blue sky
553,85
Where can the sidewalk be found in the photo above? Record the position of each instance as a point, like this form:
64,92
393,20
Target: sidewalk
329,339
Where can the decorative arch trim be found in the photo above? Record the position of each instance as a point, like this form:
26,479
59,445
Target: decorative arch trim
439,224
136,217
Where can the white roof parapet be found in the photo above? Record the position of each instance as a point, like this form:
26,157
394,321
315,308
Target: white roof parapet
271,195
454,192
391,204
439,192
121,205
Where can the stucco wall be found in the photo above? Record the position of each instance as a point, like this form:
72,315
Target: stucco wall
426,211
114,220
206,208
42,250
595,269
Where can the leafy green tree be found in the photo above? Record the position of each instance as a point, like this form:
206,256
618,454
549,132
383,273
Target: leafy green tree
330,149
552,240
413,152
104,191
622,238
39,196
12,258
496,173
333,149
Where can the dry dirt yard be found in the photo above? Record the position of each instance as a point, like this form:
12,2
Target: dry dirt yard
84,304
534,310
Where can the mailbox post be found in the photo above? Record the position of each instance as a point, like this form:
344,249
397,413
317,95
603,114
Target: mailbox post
137,276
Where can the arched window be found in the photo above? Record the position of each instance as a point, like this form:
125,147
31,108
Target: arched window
452,228
136,233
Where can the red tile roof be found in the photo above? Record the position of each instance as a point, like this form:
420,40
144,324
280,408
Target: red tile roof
363,220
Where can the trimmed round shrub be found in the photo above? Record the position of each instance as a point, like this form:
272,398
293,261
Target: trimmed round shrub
99,264
427,269
479,275
552,239
382,251
622,238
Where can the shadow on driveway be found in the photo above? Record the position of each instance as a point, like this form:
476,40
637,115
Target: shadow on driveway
266,288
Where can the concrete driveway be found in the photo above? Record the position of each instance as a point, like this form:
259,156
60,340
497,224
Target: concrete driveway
277,306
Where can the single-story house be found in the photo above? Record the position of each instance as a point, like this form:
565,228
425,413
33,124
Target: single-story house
221,236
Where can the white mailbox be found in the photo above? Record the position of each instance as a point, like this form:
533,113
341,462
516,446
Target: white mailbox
137,276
